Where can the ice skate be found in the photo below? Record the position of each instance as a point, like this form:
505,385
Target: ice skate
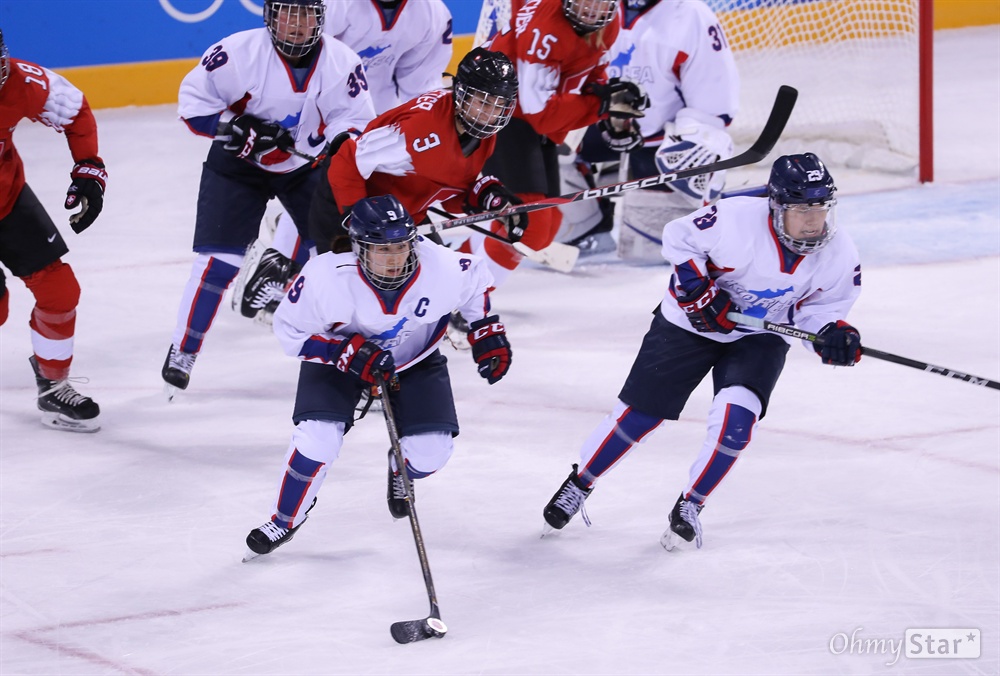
684,525
564,505
266,285
177,371
62,407
372,395
269,536
396,493
458,331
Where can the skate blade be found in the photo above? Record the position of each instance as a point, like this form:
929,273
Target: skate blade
264,318
58,421
169,391
546,529
250,555
458,339
671,541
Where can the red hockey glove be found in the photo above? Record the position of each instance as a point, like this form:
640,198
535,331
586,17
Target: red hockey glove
841,344
490,348
364,360
89,179
489,194
706,308
253,139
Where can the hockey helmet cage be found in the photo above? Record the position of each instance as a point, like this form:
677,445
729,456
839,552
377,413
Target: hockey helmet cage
377,224
296,26
588,16
802,183
4,61
485,92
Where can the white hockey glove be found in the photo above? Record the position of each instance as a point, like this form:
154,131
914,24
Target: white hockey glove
693,140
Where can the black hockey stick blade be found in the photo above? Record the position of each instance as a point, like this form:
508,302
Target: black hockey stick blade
418,630
781,111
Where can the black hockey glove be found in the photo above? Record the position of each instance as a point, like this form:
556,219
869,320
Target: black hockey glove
490,348
89,179
364,360
620,135
706,308
619,98
489,194
253,139
841,344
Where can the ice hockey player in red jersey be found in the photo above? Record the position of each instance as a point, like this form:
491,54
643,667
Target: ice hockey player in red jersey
31,247
560,50
431,149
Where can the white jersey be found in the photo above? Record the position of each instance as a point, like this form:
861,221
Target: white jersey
733,242
404,53
244,73
677,51
332,300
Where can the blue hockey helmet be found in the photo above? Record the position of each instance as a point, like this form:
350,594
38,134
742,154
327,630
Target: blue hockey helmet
4,61
485,92
588,16
378,227
801,193
295,25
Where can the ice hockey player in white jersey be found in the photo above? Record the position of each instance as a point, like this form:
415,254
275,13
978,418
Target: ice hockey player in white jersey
677,52
263,96
376,316
780,259
405,47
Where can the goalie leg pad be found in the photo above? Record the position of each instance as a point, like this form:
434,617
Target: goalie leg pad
644,213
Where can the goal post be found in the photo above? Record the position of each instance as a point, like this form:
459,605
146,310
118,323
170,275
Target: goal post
864,70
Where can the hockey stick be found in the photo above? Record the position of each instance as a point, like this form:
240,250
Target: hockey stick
411,631
784,103
558,256
793,332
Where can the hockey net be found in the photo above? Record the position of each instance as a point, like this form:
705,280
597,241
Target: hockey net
856,64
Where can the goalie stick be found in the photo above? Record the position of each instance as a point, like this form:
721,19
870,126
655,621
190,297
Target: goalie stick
793,332
410,631
784,103
558,256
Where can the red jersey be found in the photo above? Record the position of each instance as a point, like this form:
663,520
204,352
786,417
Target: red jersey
553,63
412,152
40,95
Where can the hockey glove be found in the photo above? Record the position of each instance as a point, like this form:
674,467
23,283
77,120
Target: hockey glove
619,98
706,308
620,135
364,360
840,345
251,138
87,192
490,348
489,194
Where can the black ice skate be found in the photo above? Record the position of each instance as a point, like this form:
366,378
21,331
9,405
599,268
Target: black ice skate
458,331
177,370
684,524
567,501
62,407
269,536
266,286
396,493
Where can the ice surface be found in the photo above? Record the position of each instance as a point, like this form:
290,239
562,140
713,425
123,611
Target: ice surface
868,503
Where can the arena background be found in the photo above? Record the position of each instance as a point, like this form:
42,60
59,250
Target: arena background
135,52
